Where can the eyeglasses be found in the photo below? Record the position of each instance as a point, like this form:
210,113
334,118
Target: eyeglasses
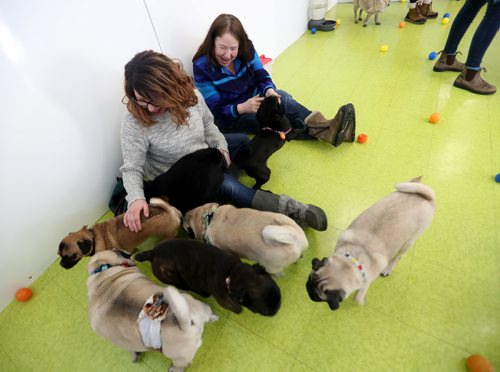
143,103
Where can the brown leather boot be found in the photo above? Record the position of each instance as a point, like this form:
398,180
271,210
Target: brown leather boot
448,62
471,80
334,131
426,11
414,16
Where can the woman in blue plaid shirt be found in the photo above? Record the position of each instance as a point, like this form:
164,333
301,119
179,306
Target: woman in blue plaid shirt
230,76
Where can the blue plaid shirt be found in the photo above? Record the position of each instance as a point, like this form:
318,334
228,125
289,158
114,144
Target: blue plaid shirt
223,90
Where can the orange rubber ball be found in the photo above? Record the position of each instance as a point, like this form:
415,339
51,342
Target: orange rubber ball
23,294
434,118
478,363
402,24
362,138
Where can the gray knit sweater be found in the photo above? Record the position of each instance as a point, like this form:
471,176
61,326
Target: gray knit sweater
151,151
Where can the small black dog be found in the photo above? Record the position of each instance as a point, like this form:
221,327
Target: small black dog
192,181
274,130
204,269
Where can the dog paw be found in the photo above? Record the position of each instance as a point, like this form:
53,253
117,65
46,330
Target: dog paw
213,318
378,23
364,24
360,301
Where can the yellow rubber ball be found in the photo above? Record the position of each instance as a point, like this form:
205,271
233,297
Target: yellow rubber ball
338,21
445,21
384,48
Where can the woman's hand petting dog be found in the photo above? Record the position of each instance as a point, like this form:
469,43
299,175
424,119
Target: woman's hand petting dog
132,218
250,106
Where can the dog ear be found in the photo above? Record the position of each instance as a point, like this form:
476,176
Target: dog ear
334,298
62,245
316,263
85,246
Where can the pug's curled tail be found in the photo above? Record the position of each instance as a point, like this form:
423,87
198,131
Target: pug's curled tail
178,305
416,188
144,256
285,234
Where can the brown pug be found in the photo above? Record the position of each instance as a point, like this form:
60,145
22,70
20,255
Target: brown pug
134,313
164,220
271,239
373,244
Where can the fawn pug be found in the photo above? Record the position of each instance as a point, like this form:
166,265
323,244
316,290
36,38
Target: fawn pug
136,314
272,239
372,244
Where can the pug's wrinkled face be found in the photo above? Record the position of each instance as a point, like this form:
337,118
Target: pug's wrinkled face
75,246
331,280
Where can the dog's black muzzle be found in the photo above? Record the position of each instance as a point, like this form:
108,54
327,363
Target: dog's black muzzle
311,287
69,261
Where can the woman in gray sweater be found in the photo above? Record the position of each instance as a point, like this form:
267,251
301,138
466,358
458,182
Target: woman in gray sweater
167,118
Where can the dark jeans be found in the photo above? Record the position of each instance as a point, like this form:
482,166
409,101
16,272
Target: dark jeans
484,34
247,123
232,191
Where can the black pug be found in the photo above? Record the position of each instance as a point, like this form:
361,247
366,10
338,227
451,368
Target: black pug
207,270
192,181
274,130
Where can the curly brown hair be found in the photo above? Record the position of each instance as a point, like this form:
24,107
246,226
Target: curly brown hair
226,23
162,81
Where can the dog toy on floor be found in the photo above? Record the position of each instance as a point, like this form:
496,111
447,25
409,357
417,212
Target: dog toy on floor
362,138
478,363
434,118
23,294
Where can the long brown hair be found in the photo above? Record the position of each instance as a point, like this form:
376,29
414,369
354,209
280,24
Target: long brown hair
226,23
162,80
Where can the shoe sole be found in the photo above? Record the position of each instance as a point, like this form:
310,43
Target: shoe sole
415,22
348,118
465,87
444,69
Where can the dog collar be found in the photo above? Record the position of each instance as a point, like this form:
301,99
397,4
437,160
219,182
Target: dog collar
357,264
281,133
107,266
205,221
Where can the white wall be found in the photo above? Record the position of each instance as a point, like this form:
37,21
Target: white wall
61,76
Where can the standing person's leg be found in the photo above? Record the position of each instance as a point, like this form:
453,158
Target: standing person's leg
341,128
425,9
447,60
470,79
413,15
235,193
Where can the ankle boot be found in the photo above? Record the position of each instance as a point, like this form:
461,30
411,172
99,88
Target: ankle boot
334,131
414,16
471,80
448,62
304,214
426,11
